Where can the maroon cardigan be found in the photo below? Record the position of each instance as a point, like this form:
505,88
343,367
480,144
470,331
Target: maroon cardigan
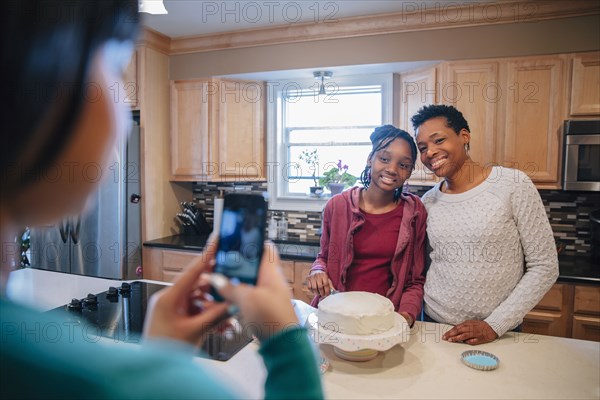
342,218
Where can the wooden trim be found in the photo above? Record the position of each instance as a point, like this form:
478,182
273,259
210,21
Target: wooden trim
154,40
416,18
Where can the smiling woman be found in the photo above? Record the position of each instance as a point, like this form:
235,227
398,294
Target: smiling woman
483,226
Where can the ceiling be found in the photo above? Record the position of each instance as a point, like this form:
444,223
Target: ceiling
196,17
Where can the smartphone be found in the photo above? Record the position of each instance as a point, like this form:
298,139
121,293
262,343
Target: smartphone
241,238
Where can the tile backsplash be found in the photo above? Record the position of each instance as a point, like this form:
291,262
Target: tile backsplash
568,212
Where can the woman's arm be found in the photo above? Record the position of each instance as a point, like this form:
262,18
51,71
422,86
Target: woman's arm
318,281
539,251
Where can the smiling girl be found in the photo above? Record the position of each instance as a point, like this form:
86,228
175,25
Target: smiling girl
493,256
373,237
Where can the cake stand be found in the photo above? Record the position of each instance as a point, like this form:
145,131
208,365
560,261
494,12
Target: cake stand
360,347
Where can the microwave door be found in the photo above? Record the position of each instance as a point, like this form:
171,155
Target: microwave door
582,162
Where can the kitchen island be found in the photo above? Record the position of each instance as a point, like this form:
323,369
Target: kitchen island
425,367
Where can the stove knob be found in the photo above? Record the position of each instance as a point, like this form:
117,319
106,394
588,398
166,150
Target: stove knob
91,300
125,288
74,305
112,291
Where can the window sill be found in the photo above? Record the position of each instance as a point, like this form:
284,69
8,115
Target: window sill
298,203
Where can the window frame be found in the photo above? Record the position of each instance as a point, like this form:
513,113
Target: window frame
276,151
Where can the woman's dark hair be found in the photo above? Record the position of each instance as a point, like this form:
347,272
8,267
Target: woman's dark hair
381,138
47,50
454,118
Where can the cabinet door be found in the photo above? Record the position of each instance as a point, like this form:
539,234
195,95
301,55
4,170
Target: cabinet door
190,143
239,134
130,90
587,300
556,299
417,89
534,93
546,323
473,88
585,84
287,267
301,271
586,328
175,262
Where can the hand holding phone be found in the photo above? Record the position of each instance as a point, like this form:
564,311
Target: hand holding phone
241,238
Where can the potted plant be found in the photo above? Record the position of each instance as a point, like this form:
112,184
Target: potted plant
311,158
337,178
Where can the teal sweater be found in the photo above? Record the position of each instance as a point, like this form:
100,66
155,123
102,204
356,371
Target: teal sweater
43,357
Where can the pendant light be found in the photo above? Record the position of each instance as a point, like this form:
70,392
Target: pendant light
322,75
152,7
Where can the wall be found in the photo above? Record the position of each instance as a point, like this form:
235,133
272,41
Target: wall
568,212
516,39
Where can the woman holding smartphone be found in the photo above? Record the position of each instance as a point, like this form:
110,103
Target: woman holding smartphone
492,250
373,237
79,46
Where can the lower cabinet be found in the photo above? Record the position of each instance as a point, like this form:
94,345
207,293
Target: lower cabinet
296,273
567,310
166,265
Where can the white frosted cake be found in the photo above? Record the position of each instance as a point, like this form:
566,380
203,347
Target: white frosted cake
356,313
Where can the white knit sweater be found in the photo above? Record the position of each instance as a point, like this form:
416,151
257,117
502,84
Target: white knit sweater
493,255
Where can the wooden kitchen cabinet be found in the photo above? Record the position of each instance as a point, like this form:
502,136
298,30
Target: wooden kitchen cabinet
417,89
473,88
296,272
533,115
217,130
301,271
515,107
585,84
129,91
586,309
551,315
166,265
567,310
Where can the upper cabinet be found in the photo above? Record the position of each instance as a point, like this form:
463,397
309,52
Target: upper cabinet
217,130
535,102
585,84
472,87
417,89
128,92
515,107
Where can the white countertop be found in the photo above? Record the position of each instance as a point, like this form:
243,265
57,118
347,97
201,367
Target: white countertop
531,366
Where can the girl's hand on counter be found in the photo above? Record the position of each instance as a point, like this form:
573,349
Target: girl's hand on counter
173,312
318,282
268,305
471,332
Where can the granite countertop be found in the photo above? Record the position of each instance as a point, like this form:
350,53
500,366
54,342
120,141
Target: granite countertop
573,268
423,367
180,242
290,249
578,269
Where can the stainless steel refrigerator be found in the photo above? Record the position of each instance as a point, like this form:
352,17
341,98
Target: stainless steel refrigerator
105,240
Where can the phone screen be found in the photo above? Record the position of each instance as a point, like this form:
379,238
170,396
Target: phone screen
241,237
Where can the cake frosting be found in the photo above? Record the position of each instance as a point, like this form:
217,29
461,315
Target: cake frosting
356,313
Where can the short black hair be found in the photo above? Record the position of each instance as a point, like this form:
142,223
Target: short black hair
454,118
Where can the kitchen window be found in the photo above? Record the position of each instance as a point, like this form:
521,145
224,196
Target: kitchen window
337,125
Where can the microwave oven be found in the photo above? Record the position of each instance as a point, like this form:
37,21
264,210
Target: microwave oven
581,161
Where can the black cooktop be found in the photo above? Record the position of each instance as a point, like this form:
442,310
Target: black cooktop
119,313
